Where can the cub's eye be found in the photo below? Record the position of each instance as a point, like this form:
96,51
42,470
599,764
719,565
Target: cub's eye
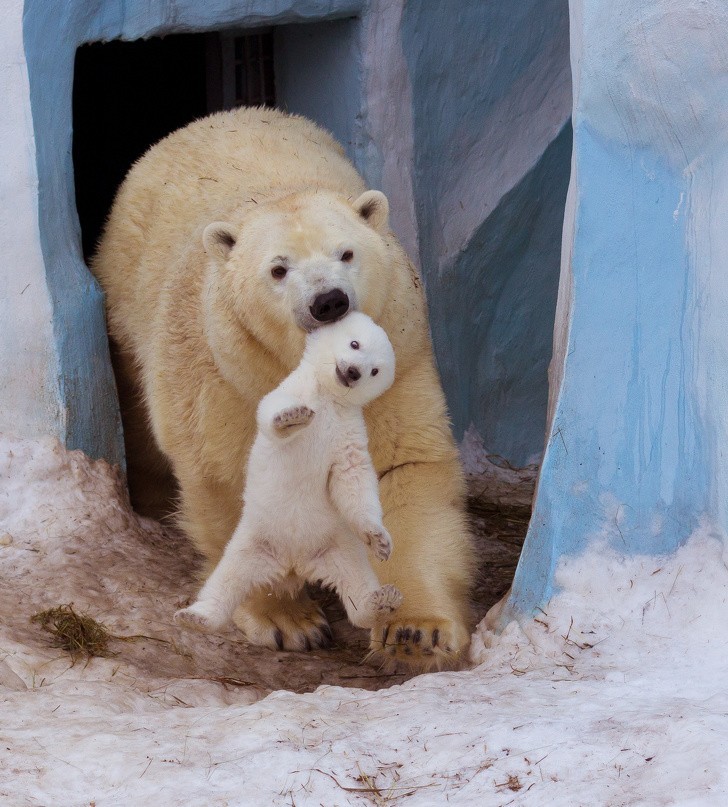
348,256
354,345
375,371
279,272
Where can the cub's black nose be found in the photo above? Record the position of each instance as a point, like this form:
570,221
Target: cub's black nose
330,306
353,374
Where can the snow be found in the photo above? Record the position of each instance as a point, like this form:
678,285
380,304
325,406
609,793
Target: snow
615,695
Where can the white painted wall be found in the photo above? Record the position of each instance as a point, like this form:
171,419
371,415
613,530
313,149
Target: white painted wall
29,397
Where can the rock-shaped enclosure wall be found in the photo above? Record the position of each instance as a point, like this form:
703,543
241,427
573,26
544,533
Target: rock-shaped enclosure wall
638,436
463,120
491,90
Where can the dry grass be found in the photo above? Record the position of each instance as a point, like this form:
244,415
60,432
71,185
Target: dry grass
79,635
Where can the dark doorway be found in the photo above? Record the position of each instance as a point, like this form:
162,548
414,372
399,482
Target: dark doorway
129,95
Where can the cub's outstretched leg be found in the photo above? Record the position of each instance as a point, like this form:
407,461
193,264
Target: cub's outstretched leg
269,616
243,567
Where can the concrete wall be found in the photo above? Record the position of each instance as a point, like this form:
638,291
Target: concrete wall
491,89
639,410
463,120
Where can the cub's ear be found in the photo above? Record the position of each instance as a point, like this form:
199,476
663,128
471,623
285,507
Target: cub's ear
218,239
373,207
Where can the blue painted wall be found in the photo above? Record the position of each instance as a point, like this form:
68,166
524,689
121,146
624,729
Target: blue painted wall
491,95
636,454
318,75
638,406
493,312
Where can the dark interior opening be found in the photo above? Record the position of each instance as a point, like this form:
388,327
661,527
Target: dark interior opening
126,97
129,95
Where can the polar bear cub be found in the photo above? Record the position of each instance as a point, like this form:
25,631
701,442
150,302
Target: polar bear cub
311,501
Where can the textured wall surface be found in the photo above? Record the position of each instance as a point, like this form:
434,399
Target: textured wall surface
491,89
29,394
638,434
464,121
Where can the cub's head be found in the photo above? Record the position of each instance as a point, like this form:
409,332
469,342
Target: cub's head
294,264
353,359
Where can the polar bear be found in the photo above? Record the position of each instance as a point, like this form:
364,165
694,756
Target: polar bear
311,502
227,243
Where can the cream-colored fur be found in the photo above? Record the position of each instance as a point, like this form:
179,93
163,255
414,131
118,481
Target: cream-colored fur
311,502
211,330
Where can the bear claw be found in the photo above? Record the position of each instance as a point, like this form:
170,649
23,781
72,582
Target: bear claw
191,618
408,644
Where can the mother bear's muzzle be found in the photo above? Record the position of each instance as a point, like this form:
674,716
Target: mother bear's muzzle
330,306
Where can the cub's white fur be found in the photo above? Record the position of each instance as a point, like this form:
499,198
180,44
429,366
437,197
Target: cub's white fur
311,501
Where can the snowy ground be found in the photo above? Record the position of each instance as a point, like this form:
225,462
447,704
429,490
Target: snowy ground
616,696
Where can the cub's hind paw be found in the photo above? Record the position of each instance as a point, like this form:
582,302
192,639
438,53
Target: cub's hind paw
289,420
376,607
197,618
386,599
380,541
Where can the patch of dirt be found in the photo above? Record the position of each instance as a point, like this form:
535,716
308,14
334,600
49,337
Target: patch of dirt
498,531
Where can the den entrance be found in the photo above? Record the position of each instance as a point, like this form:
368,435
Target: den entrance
127,96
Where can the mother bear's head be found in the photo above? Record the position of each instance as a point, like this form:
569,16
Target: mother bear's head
301,261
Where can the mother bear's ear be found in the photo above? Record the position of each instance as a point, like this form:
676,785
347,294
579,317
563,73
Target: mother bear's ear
373,207
218,239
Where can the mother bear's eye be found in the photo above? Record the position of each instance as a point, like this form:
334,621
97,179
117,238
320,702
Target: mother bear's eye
348,256
279,272
375,371
354,345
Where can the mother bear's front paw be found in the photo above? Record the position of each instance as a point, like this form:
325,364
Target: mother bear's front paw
283,622
419,644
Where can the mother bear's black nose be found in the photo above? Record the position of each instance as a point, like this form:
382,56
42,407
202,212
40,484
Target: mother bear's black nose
330,306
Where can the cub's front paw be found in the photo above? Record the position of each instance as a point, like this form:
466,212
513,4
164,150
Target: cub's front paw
292,419
380,541
199,618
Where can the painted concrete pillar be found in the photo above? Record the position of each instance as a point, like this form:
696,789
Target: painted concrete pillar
638,422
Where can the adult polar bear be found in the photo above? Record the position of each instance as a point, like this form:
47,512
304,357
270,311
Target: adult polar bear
226,242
